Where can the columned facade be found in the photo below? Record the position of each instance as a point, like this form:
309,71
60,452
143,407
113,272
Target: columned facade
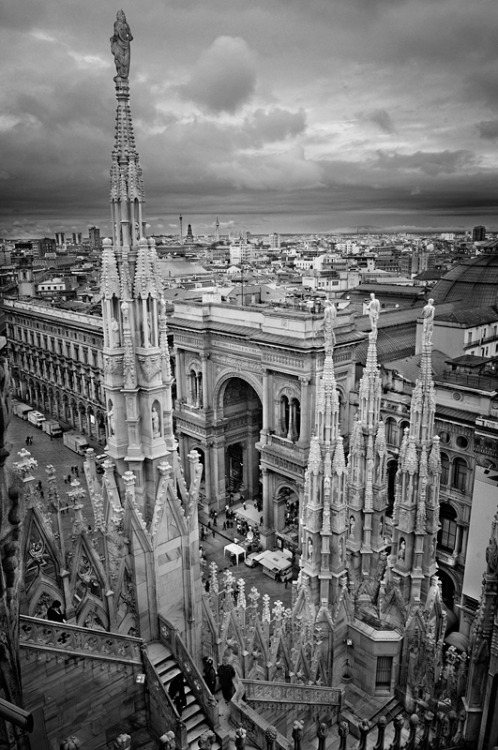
259,370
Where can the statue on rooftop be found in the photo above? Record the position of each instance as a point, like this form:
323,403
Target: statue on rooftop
120,45
429,311
329,321
373,308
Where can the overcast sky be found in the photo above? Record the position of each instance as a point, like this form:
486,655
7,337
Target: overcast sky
275,115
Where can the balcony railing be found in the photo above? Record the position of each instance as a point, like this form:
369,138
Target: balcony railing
37,633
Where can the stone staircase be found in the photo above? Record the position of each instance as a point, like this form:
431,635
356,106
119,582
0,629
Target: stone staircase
358,705
193,716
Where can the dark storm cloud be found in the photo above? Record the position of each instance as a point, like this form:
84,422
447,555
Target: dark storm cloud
379,117
488,129
262,119
430,163
224,77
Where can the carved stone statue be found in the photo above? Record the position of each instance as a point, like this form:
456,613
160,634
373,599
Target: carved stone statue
492,557
156,429
373,308
120,45
329,321
115,335
429,311
111,419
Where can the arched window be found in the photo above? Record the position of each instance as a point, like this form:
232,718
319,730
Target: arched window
391,431
295,419
284,416
445,468
392,468
459,478
446,537
193,386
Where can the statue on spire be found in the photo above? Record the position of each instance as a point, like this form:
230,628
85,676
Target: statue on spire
329,319
429,311
120,45
373,309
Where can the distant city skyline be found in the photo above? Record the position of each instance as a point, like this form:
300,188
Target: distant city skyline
328,117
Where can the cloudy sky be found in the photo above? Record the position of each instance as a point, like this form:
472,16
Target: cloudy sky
275,115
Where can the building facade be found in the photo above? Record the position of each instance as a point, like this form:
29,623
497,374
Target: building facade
56,363
246,383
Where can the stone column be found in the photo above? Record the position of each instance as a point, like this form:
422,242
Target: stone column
304,436
181,376
205,389
266,400
207,471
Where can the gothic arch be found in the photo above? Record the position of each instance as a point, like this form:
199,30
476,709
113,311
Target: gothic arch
290,390
45,591
193,363
222,383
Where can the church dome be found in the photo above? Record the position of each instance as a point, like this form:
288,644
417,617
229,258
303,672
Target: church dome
474,282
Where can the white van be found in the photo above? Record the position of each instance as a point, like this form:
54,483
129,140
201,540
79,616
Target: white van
52,427
77,443
21,410
36,418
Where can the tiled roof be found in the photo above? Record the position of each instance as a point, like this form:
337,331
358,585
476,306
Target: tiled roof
448,412
396,342
473,316
409,367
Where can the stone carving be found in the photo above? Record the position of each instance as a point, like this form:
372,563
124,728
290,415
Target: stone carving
115,335
150,367
373,309
429,311
111,419
120,45
113,365
156,424
329,321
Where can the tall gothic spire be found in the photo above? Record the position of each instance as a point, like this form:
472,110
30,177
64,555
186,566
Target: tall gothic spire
137,376
323,532
367,501
417,484
160,507
127,192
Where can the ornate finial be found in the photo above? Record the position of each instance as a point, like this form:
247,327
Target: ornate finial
373,309
429,311
120,45
329,319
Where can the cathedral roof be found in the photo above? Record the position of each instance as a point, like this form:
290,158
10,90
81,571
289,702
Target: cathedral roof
409,367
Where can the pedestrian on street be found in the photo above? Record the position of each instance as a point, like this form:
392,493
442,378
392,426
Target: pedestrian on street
213,532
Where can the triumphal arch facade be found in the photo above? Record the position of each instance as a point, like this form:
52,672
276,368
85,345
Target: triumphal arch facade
246,381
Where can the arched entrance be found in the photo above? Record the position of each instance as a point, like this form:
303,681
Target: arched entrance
242,423
286,517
